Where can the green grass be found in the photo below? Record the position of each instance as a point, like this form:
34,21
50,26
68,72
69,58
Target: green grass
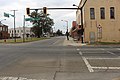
20,40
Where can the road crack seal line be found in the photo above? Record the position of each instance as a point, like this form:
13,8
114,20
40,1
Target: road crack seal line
109,52
112,53
55,75
86,62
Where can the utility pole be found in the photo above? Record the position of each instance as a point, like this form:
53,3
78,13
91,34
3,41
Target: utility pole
82,21
14,25
24,29
81,10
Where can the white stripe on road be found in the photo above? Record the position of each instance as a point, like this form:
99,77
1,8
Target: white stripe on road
102,49
93,52
118,48
78,49
92,49
86,62
16,78
106,67
102,58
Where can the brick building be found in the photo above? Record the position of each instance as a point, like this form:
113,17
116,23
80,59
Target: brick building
4,31
73,31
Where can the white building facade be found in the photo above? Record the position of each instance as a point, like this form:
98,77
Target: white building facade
20,31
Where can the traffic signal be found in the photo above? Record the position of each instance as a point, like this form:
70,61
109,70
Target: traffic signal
45,10
28,11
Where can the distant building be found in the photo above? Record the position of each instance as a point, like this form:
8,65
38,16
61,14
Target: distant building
4,31
101,20
20,32
73,31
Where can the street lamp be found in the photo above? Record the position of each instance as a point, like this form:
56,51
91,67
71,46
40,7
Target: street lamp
1,21
75,5
67,23
67,29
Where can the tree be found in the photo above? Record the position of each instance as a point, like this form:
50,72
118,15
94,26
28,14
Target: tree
59,33
42,23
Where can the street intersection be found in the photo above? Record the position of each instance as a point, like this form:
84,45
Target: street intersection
59,59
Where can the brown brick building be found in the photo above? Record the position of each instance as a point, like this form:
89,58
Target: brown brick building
4,31
73,30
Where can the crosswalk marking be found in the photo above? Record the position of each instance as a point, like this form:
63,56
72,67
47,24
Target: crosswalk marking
118,48
86,62
16,78
106,67
102,58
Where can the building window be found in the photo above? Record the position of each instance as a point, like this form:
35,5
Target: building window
0,28
21,30
102,12
112,13
92,13
18,31
6,29
3,28
27,30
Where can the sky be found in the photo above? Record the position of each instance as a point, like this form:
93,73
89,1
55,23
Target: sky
56,15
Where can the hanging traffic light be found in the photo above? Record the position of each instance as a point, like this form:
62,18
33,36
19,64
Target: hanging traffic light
28,11
45,10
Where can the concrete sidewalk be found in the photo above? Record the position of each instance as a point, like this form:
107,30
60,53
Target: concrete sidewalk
71,42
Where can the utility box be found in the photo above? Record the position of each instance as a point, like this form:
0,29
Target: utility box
92,37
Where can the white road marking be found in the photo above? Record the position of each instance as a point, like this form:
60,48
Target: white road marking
118,48
103,58
106,67
91,49
16,78
87,63
55,42
102,49
43,79
81,54
94,52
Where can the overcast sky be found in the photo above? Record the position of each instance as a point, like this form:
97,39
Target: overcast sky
21,5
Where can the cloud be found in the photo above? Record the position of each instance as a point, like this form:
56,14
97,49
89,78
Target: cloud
21,5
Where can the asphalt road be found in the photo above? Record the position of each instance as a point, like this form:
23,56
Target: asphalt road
51,60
